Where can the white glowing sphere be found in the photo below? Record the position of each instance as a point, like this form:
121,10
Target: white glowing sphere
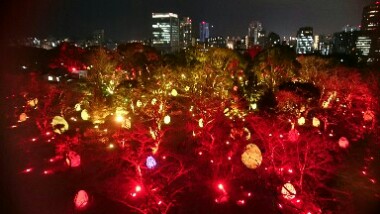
167,119
139,103
151,162
288,191
200,123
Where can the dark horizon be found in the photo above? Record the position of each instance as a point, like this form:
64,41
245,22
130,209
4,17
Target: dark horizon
126,20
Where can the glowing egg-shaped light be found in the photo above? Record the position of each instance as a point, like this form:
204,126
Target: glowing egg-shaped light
22,117
81,199
200,123
301,121
288,191
251,156
33,102
253,106
84,115
151,162
174,92
343,142
368,115
167,119
59,124
154,101
316,122
72,159
293,135
77,107
139,103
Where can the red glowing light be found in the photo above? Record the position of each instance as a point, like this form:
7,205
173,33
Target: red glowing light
27,170
249,194
298,201
280,206
164,157
73,69
133,194
240,202
159,203
34,139
290,170
81,199
364,172
138,188
47,172
48,133
200,153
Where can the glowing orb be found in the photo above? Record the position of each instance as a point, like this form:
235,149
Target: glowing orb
316,122
301,121
343,142
288,191
81,199
368,115
22,117
200,123
77,107
59,124
151,162
253,106
139,103
119,118
167,119
174,93
33,102
154,101
293,135
252,157
84,115
72,159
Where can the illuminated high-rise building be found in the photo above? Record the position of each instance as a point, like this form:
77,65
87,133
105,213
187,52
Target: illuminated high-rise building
165,31
204,31
185,32
255,33
305,40
370,27
98,37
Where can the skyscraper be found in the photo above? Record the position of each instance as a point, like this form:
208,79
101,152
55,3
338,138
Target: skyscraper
185,35
305,40
204,31
370,27
255,33
165,31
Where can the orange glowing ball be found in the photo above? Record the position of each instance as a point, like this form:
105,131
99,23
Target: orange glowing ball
73,159
251,156
22,117
343,142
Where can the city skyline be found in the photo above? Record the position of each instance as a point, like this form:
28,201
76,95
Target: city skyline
131,19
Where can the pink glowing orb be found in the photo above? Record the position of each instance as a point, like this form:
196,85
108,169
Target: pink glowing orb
81,199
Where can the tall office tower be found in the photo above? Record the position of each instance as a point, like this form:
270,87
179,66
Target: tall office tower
345,42
185,32
165,31
98,37
305,40
370,27
204,31
255,32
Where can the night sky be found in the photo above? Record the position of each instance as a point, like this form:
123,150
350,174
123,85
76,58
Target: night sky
130,19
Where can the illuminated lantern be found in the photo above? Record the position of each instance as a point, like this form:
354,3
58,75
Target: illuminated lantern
288,191
139,103
368,116
72,159
81,199
84,115
174,93
293,135
200,123
33,102
316,122
251,156
253,106
154,101
59,124
22,117
150,162
301,121
167,119
343,142
77,107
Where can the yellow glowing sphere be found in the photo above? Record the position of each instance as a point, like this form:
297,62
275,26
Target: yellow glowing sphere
154,101
174,92
139,103
288,191
251,156
254,106
77,107
167,119
200,123
316,122
84,115
301,121
59,124
119,118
